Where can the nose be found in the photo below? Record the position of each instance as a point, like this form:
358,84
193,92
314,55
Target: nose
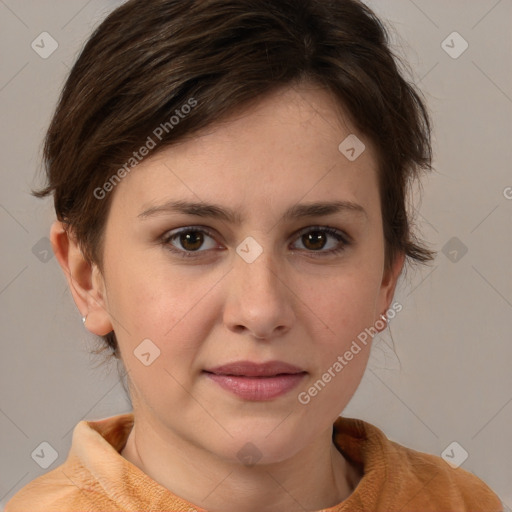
259,300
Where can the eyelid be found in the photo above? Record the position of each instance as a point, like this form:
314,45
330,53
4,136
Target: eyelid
329,229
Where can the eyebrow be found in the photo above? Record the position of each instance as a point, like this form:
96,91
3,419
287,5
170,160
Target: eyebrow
297,211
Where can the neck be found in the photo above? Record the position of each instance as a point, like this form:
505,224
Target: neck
315,478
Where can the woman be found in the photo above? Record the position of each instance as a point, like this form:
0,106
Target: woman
230,182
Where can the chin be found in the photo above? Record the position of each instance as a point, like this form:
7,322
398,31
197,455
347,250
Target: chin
260,442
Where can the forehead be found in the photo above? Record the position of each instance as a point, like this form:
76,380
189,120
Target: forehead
283,148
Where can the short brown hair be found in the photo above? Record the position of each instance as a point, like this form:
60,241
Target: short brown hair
149,58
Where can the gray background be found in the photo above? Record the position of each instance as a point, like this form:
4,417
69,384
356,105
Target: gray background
448,377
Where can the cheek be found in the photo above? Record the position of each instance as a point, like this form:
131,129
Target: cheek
159,333
344,303
172,309
343,315
344,311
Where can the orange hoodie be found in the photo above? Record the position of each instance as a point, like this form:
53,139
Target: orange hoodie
96,478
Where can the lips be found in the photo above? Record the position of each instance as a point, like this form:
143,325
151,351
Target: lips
252,369
257,381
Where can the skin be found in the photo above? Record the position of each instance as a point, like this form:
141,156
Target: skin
293,303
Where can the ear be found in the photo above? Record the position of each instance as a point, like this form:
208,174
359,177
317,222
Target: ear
85,281
389,281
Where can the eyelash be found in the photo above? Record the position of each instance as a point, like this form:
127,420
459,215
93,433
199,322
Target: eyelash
168,238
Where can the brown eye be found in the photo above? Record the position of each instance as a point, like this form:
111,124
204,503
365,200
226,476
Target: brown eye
189,242
317,238
314,240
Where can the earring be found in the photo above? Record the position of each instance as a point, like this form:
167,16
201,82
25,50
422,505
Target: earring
384,318
84,318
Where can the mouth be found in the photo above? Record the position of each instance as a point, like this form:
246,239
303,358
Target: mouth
256,381
252,369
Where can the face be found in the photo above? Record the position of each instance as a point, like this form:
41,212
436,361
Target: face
208,290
